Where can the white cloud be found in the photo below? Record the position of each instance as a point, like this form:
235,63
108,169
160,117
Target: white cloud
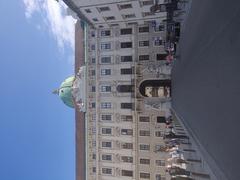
54,16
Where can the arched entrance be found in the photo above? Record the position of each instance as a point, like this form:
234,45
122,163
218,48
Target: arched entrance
156,88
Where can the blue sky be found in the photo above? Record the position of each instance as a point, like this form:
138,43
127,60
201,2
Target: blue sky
37,131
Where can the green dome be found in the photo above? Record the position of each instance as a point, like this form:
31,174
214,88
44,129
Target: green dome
65,91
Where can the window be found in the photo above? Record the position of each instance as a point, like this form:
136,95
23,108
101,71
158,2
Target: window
126,118
126,31
147,2
104,8
160,57
125,88
95,19
126,71
94,143
113,25
159,177
92,33
126,44
127,173
106,59
160,27
105,88
93,88
106,131
93,47
105,72
94,117
159,134
107,144
161,119
128,16
106,157
106,105
94,169
93,60
158,41
105,46
159,147
127,146
144,57
92,72
88,10
105,33
145,175
127,159
109,18
144,119
143,29
126,58
145,147
144,14
126,105
124,6
160,162
144,161
127,132
93,105
143,43
106,117
144,133
106,170
93,156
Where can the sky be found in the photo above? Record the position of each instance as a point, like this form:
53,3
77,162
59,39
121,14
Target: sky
37,131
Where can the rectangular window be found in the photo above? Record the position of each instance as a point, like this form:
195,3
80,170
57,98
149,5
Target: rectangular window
92,72
160,162
126,31
109,18
143,43
106,131
125,88
107,144
105,72
106,170
144,14
127,159
126,71
126,118
161,119
94,169
105,46
145,147
158,41
88,10
93,89
127,146
127,173
105,88
161,57
126,44
124,6
126,105
106,59
159,134
144,133
93,60
147,2
144,57
126,58
145,175
143,29
106,157
104,8
93,156
106,117
106,105
92,33
128,16
144,161
127,132
159,28
144,119
93,47
105,33
159,177
93,105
